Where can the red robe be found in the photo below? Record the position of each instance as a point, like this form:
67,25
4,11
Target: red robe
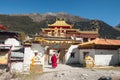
54,61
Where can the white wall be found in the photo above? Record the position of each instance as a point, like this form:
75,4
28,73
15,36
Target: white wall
15,43
16,67
12,41
28,54
81,55
106,57
119,54
68,59
101,57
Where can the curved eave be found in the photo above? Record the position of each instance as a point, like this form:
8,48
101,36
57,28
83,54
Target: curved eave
102,42
89,32
59,23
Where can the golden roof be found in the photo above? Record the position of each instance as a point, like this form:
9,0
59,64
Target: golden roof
61,29
59,23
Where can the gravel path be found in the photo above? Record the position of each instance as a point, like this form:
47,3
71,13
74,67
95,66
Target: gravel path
66,72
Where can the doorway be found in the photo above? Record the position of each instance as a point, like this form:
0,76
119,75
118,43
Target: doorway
84,54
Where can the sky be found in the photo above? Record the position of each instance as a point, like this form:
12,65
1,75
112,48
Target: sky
105,10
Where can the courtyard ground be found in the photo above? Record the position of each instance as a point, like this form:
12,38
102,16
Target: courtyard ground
75,72
67,72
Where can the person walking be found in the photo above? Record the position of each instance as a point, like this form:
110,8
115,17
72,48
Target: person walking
54,61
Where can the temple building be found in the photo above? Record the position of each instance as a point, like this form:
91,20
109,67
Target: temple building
63,31
60,36
11,50
105,52
6,34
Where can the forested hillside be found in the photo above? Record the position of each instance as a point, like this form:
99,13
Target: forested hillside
32,23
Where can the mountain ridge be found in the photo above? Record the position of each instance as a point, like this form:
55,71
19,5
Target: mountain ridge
32,23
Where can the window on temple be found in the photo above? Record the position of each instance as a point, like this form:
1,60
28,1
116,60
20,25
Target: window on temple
72,55
49,33
85,39
92,38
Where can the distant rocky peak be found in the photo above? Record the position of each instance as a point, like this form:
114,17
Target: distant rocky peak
118,26
50,13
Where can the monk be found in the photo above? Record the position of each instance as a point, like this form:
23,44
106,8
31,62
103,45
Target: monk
54,61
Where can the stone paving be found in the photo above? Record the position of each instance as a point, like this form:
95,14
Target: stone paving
73,72
60,67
